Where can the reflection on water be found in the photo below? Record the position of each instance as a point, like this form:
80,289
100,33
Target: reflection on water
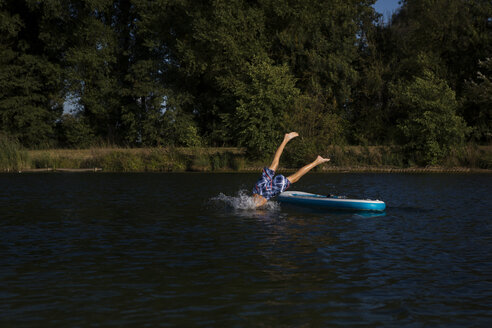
189,250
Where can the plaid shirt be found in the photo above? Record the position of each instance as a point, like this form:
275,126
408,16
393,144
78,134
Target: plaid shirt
270,185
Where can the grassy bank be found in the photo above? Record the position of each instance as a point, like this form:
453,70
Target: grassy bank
350,158
141,159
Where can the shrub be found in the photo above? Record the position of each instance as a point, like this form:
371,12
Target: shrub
432,126
75,132
264,94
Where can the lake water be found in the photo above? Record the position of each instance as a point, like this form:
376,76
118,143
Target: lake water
179,250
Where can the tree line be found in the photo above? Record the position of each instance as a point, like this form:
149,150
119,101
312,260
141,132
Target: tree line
242,72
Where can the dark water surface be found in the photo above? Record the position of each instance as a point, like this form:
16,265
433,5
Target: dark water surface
152,250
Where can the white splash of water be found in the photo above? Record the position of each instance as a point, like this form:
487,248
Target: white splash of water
243,201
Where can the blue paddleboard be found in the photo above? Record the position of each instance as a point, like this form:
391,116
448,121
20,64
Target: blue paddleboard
334,202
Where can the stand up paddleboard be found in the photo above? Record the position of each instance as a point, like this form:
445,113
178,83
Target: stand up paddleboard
334,202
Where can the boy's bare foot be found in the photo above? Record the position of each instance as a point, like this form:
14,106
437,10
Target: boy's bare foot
290,136
320,160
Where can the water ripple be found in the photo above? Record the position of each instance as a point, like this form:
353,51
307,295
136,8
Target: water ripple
175,250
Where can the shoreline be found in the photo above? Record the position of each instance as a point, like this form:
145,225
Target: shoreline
348,159
340,170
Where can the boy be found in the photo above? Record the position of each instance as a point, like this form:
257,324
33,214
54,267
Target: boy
270,185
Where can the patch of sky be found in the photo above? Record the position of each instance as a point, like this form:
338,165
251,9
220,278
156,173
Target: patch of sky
71,104
387,8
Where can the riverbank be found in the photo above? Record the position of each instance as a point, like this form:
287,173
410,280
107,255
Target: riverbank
344,159
415,170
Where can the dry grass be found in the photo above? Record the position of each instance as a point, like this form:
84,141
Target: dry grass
344,159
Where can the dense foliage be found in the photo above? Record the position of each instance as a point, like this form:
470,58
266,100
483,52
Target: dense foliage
241,73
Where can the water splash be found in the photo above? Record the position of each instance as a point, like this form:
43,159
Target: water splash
242,201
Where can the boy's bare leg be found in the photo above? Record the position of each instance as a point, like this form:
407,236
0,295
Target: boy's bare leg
305,169
260,200
278,153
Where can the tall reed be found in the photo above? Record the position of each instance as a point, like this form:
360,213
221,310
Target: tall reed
12,156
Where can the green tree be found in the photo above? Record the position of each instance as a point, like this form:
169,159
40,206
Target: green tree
431,127
319,126
372,121
155,113
478,103
115,69
454,34
214,43
89,59
448,37
31,76
264,99
180,129
318,40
